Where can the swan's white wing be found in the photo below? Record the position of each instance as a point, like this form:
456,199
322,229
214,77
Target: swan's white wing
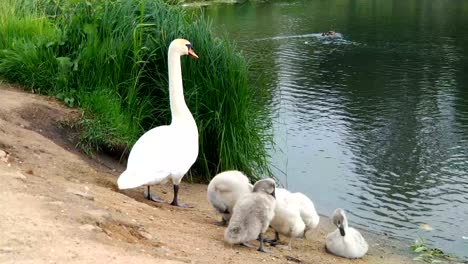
287,220
282,194
225,189
160,153
352,245
308,212
359,241
335,243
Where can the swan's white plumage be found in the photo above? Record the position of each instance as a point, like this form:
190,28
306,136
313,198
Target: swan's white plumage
252,214
351,245
287,220
282,194
225,189
307,209
295,214
166,152
163,153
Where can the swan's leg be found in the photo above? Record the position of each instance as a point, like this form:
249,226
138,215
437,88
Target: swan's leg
175,202
260,248
225,216
288,247
273,242
152,197
223,222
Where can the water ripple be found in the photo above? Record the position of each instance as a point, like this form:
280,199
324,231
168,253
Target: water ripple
375,121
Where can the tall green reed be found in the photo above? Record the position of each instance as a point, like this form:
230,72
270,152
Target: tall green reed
110,57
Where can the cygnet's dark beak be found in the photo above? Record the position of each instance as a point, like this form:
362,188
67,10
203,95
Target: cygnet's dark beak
273,194
192,53
342,232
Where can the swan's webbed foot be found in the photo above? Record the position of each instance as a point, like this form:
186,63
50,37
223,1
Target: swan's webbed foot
260,248
284,247
273,242
175,202
155,198
223,222
182,205
152,197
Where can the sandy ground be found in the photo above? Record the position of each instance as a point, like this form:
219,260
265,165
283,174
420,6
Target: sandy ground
60,206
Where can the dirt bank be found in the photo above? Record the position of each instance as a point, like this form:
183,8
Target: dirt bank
59,206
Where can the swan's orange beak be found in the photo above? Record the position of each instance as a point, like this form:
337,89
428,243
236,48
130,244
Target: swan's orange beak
192,53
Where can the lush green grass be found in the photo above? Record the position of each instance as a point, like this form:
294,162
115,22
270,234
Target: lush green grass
23,37
110,58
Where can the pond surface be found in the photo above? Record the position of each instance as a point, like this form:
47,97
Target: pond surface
375,120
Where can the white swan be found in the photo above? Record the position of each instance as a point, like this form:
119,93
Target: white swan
345,241
166,152
225,189
287,220
308,213
295,214
252,215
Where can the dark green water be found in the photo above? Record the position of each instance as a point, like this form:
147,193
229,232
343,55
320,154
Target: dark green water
375,122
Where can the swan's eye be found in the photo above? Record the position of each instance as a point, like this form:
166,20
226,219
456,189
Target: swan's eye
339,222
189,46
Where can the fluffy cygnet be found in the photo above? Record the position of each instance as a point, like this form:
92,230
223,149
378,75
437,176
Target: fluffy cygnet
252,215
225,189
294,215
345,241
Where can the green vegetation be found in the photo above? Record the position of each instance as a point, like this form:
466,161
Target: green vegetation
109,58
430,255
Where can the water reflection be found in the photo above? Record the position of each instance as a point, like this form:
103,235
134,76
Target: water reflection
376,121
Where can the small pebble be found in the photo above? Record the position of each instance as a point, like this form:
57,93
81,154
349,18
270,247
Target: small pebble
6,249
81,194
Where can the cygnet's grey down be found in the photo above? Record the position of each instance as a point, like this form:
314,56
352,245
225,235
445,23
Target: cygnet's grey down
225,189
295,214
345,241
252,215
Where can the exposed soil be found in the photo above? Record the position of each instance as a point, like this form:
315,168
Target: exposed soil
60,206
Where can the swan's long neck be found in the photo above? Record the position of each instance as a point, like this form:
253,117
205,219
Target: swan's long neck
179,110
345,222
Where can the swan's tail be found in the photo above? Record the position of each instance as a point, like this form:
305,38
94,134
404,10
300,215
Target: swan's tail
127,180
314,221
310,217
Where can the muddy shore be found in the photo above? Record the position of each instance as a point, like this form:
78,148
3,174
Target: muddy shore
60,206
